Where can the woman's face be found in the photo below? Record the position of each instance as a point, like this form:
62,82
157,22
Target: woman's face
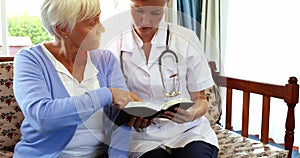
87,34
147,14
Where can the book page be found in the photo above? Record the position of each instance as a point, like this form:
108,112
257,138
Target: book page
141,109
184,103
146,109
143,104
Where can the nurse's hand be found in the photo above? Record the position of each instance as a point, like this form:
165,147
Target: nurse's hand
120,98
194,112
180,115
139,122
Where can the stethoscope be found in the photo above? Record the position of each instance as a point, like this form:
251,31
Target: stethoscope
175,77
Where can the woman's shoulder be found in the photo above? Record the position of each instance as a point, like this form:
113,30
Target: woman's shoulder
183,35
102,55
31,49
31,52
98,53
178,29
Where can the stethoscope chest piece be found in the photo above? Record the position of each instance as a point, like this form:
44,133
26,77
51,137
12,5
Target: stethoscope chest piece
175,91
175,83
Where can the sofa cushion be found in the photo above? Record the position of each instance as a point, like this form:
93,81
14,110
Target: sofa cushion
6,154
214,110
234,145
10,113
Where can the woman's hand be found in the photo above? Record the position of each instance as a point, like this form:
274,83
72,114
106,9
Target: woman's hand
120,98
181,115
194,112
135,97
139,122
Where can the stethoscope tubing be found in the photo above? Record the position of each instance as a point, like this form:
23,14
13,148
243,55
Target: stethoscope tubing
174,93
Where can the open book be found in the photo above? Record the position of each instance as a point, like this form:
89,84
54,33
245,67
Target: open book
149,110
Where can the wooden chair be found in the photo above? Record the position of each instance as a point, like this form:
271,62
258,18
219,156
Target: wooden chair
289,93
2,59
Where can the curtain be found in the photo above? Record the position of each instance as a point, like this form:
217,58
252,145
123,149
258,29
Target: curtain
190,14
210,35
203,17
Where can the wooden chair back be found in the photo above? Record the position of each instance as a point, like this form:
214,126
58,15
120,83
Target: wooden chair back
288,92
2,59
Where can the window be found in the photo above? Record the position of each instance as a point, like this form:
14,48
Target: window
19,16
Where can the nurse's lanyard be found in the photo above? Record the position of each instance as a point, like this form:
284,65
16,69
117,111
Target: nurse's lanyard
175,77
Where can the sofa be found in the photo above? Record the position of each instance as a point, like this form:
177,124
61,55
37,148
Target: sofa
10,113
232,144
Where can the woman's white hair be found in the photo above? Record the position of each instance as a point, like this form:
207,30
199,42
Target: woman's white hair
66,13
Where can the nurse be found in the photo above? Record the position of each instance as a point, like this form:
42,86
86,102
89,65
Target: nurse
160,62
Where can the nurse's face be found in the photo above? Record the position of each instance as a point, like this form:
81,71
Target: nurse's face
147,14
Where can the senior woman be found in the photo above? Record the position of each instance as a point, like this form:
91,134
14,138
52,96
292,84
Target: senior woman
63,85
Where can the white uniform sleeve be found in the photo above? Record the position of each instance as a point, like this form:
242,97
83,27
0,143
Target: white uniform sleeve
198,73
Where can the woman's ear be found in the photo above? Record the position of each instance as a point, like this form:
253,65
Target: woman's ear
62,32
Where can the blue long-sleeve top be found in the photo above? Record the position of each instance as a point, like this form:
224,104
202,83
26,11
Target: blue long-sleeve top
51,115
